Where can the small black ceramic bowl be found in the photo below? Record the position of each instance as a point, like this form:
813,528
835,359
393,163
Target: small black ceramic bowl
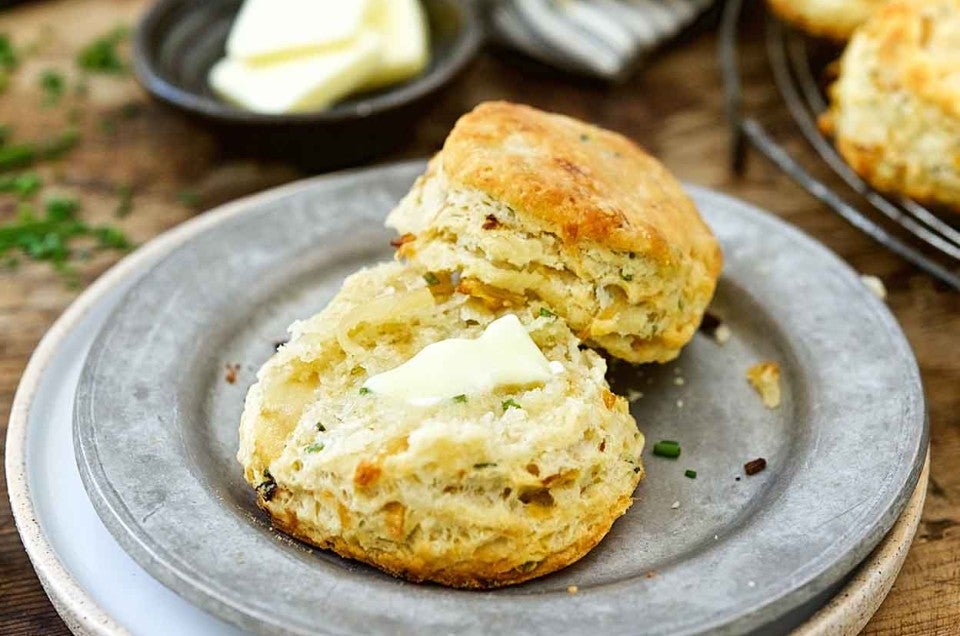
178,41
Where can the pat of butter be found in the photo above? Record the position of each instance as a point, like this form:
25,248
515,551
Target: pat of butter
272,30
301,84
402,25
503,356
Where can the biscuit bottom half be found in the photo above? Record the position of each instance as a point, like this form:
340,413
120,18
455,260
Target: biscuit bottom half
478,491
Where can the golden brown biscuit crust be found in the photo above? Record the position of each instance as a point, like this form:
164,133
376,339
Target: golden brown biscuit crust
541,164
832,19
469,574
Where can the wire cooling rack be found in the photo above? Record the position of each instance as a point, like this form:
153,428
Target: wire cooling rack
917,234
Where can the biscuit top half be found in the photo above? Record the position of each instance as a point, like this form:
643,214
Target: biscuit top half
918,41
585,183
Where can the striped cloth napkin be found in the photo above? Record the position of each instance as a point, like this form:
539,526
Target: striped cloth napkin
602,38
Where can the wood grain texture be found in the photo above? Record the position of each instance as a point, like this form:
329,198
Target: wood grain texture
673,108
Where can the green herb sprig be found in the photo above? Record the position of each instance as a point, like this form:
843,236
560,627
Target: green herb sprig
49,237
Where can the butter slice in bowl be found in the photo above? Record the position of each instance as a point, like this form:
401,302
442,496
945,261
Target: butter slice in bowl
267,31
290,56
300,84
402,26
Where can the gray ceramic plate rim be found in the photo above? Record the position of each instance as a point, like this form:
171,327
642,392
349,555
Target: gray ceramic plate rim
814,578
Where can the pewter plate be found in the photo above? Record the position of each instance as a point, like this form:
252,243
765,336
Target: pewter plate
155,432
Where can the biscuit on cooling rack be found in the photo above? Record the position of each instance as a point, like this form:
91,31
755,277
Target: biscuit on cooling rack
895,107
834,19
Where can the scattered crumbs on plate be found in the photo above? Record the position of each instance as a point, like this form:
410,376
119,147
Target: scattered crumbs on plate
875,285
679,381
765,378
649,574
722,334
231,375
675,505
716,537
712,325
751,584
679,404
755,466
572,589
634,395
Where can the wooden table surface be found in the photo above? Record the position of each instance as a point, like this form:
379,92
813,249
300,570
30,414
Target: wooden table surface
673,108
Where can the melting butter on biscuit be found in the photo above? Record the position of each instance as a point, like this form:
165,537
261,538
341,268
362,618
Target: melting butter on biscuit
503,356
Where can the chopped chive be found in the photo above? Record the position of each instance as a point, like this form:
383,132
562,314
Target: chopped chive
24,154
23,185
8,55
321,427
431,279
510,404
546,313
460,398
365,391
692,474
314,448
485,465
101,55
131,109
53,85
125,205
189,198
667,448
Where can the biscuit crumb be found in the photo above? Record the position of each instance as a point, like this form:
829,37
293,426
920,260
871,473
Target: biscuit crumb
231,374
573,589
713,326
751,584
875,285
765,378
679,404
679,381
649,574
675,505
633,395
722,334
